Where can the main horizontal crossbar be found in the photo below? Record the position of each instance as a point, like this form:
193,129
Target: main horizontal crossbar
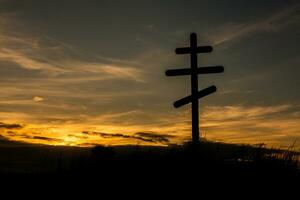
188,50
201,70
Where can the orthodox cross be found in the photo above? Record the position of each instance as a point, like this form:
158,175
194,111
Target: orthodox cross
193,71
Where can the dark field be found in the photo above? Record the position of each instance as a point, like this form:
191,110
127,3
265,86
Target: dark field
38,160
206,163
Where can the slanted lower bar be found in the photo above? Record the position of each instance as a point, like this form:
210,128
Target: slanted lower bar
201,70
200,94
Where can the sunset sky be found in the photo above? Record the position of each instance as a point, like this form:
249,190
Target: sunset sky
92,72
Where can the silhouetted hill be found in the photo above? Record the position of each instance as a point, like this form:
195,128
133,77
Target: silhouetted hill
208,162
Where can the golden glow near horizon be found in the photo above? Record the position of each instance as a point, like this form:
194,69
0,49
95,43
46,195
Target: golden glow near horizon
227,124
78,81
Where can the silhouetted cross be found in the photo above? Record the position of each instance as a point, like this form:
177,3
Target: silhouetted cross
193,50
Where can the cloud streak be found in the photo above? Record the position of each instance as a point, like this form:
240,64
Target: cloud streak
55,58
142,136
38,99
10,126
275,125
275,22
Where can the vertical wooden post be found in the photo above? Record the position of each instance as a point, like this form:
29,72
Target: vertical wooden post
194,88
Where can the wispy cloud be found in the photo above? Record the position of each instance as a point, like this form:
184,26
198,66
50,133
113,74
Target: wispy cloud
26,62
46,139
10,126
275,22
38,99
31,137
55,58
238,112
74,68
253,124
142,136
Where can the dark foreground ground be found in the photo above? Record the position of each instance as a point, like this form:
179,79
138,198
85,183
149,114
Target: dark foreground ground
210,164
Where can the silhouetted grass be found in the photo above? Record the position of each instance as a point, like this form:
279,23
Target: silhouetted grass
215,159
206,161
